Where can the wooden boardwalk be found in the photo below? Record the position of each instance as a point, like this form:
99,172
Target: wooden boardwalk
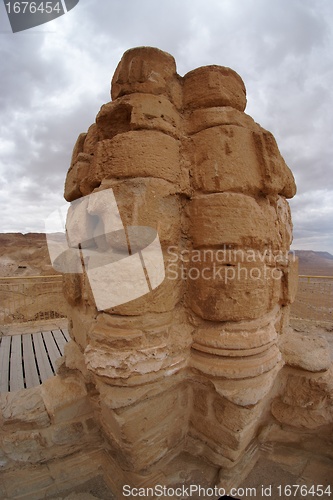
27,360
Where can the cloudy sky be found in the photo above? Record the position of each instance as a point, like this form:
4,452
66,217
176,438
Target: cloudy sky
55,77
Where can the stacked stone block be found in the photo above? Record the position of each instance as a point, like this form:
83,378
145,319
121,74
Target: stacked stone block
182,157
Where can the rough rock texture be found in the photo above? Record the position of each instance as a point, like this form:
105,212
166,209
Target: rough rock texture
187,369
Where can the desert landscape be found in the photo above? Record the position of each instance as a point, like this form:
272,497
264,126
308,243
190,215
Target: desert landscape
314,263
30,289
24,255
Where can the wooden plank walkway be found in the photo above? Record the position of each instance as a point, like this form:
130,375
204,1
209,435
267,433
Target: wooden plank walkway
27,360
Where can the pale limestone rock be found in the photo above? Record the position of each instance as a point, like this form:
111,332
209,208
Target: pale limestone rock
24,446
74,359
238,220
283,320
91,140
296,416
65,398
250,391
148,202
78,148
234,292
141,153
237,337
211,86
236,367
147,70
290,281
277,177
306,352
205,118
131,112
224,159
77,173
23,409
73,288
79,325
311,391
284,221
233,416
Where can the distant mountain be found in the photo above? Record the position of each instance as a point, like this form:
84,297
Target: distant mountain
315,263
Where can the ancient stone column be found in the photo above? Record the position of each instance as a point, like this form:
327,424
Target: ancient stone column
186,369
240,231
137,352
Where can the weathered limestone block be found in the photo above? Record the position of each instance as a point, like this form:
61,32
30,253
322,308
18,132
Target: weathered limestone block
205,118
283,320
23,410
234,292
78,148
41,445
142,432
227,424
140,422
205,441
126,395
224,159
74,360
132,364
65,398
238,220
219,434
134,350
235,417
67,434
277,176
24,446
236,337
290,281
211,86
147,70
162,299
303,418
73,284
309,390
306,352
249,391
147,202
91,140
136,332
79,171
139,153
80,322
236,367
131,112
285,226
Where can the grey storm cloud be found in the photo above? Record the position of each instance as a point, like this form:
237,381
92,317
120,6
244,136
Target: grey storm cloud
55,77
